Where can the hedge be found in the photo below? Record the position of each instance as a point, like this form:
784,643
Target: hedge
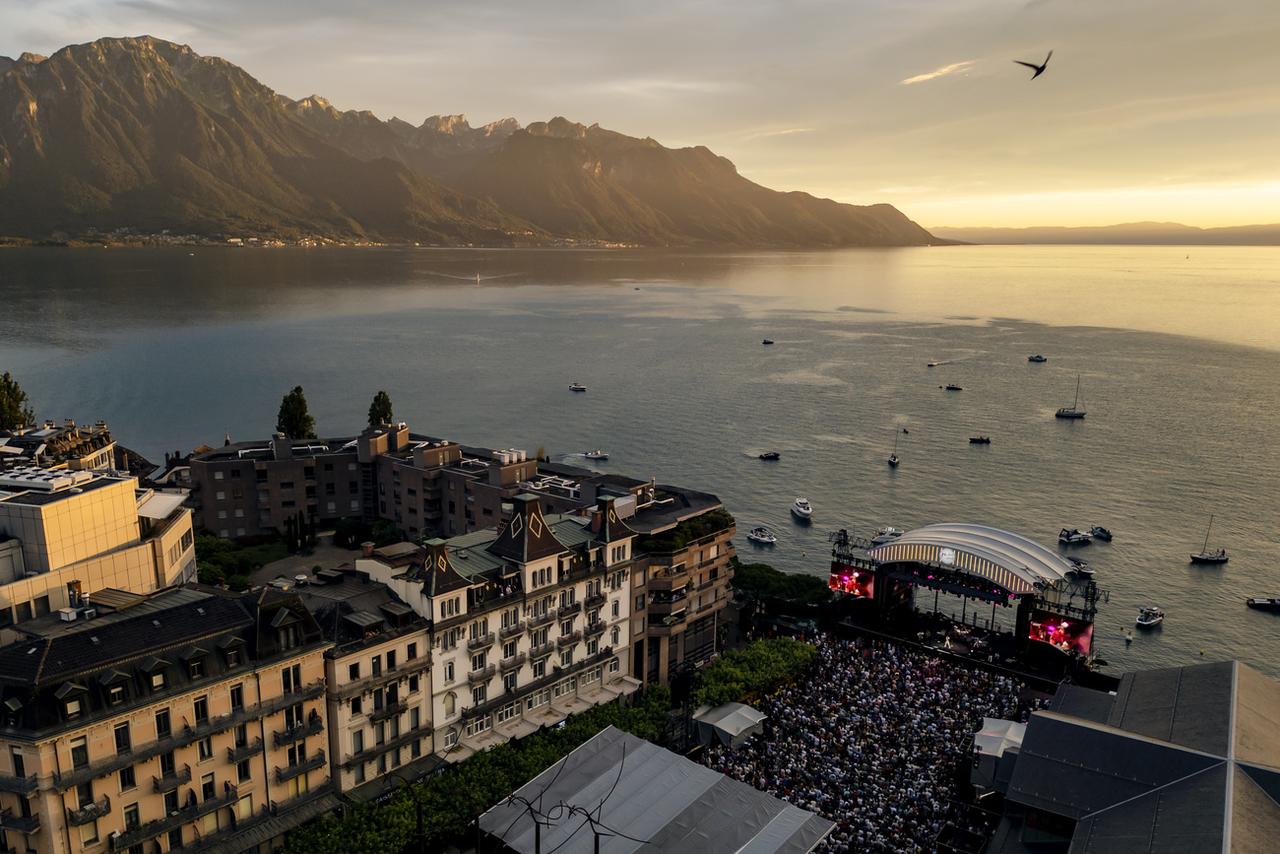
752,671
764,582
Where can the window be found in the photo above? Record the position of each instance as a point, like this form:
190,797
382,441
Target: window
127,780
79,752
357,705
413,684
359,773
195,668
115,695
391,659
122,738
220,495
566,658
244,807
19,764
448,671
202,710
208,787
509,649
72,708
614,635
509,682
233,657
131,820
566,628
237,697
217,475
415,718
593,646
539,668
357,741
89,833
639,601
450,705
617,608
478,661
292,678
479,694
377,665
451,737
157,681
162,723
175,835
353,671
168,764
243,771
206,748
614,666
411,653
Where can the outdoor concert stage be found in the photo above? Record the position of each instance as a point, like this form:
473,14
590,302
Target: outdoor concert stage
1054,609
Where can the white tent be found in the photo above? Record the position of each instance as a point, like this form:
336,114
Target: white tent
730,724
990,744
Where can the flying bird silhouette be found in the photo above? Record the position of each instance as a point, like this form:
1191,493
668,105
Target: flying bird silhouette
1039,69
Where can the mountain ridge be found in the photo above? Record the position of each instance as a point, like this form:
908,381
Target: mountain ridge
144,134
1145,233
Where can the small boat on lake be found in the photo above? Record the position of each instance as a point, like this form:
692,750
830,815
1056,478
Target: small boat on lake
1149,617
893,457
1073,537
1100,533
1074,410
953,387
770,455
767,341
1081,568
1262,603
802,509
979,440
1037,358
887,534
933,364
762,535
597,455
1205,556
577,387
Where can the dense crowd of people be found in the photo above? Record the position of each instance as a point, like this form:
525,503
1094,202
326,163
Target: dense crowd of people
872,739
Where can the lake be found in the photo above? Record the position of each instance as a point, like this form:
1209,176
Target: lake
1177,351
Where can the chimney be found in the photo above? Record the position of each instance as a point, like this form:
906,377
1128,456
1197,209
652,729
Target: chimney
281,447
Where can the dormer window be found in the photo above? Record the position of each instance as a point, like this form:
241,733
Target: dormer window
157,681
195,669
71,696
115,695
72,709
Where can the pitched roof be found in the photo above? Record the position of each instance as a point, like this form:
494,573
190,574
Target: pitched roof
526,537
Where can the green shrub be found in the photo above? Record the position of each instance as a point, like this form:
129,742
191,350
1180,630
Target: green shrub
753,671
764,582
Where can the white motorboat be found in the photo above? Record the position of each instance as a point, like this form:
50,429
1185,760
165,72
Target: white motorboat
597,455
1074,410
762,535
802,509
893,457
1073,537
1206,556
577,387
1037,358
1081,568
933,364
1149,617
887,534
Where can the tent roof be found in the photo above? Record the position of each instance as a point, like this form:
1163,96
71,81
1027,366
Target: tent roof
997,736
1010,560
733,718
651,799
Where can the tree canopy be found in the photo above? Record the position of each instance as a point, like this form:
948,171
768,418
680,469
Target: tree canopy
745,674
14,411
295,419
380,409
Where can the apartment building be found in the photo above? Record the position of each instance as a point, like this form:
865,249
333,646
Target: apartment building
377,675
529,622
67,534
425,486
77,447
190,719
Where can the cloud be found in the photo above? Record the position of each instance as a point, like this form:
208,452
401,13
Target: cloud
944,71
783,132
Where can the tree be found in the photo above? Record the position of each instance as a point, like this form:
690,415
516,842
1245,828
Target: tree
295,420
14,412
380,409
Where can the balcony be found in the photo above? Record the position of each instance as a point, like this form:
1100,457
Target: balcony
171,781
390,710
481,676
507,632
541,650
20,823
568,640
363,686
373,751
288,772
313,726
192,811
539,620
89,812
224,839
17,785
595,600
513,663
568,610
482,642
594,629
236,755
666,625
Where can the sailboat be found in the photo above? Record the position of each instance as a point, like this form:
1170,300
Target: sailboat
1206,556
1074,410
893,458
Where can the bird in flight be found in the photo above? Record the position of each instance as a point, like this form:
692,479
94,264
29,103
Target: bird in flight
1039,69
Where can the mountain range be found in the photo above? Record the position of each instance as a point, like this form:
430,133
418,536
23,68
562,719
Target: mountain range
144,134
1131,233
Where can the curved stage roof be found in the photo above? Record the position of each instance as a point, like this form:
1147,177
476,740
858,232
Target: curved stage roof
1009,560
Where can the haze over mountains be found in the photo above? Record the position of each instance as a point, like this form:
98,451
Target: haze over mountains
1132,233
145,134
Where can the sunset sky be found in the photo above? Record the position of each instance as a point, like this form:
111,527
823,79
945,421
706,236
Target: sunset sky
1150,109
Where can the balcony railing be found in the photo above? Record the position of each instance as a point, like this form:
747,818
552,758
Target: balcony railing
372,751
20,823
312,726
569,639
484,674
389,710
480,642
509,664
594,629
393,674
89,812
511,631
288,772
567,610
203,844
169,782
540,620
236,755
135,835
595,600
17,785
541,650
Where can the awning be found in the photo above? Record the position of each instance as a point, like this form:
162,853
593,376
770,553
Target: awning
160,505
730,724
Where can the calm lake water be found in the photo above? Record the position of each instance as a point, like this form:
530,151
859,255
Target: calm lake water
1177,350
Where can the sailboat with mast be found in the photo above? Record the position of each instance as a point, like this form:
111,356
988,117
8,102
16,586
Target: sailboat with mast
893,458
1074,410
1209,557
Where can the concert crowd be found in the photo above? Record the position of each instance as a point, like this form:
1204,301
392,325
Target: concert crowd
872,740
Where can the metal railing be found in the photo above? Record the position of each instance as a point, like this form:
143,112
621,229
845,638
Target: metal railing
288,772
89,812
17,785
477,677
481,642
171,781
311,726
509,664
511,631
134,835
235,755
569,639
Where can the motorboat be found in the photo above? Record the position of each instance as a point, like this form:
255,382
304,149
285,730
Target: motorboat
953,387
577,387
1100,533
979,440
771,455
1074,410
762,535
802,509
767,341
1073,537
1262,603
893,457
1081,567
1149,617
935,363
1037,358
597,455
893,461
887,534
1209,557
